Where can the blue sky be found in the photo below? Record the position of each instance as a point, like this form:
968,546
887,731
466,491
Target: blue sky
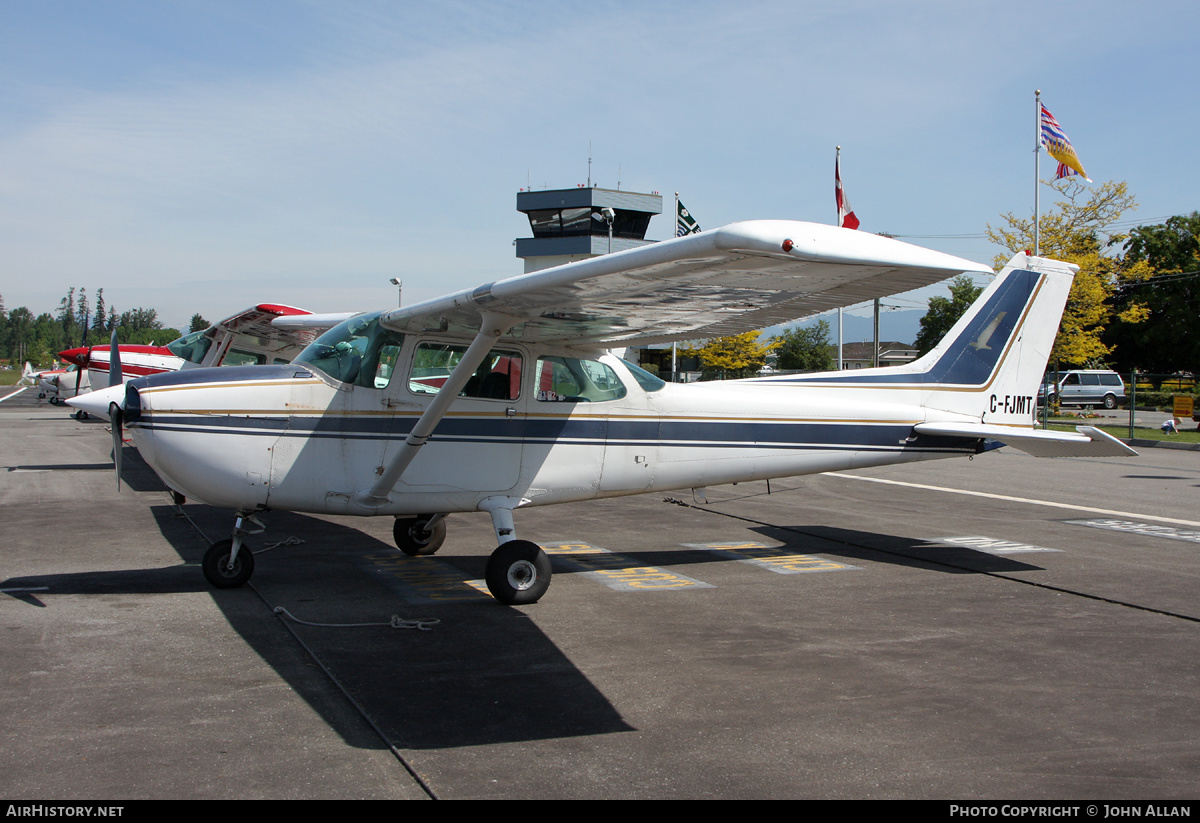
203,155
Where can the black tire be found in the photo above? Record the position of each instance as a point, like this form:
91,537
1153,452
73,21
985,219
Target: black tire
1110,402
216,565
518,573
415,537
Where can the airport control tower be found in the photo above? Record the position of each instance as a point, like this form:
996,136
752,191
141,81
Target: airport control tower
574,224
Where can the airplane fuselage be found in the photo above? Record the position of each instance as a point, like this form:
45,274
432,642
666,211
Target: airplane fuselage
292,438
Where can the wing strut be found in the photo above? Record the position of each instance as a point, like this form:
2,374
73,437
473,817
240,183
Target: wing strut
492,326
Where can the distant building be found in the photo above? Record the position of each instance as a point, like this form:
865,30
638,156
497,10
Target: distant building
571,224
862,355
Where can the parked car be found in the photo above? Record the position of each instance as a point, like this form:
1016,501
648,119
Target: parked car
1084,387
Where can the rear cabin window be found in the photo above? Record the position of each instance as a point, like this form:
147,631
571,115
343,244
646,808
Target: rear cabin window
571,380
497,378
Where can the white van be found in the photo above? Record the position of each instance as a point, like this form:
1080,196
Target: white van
1084,387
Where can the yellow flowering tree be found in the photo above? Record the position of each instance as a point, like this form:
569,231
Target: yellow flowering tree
1078,230
726,358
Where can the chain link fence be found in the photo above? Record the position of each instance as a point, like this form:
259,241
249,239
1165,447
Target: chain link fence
1132,406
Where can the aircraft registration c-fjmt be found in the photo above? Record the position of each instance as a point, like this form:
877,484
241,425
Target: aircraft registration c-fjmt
506,395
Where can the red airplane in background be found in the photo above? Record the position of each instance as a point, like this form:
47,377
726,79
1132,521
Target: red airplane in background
265,334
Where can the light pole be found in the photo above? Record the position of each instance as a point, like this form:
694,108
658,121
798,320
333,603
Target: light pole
606,215
399,284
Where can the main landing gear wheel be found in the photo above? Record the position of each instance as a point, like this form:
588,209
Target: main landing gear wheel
416,537
216,565
518,573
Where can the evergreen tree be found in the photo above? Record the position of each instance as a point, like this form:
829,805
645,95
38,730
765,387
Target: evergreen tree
98,328
83,315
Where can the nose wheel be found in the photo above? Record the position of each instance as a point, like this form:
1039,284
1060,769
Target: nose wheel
418,536
222,573
228,564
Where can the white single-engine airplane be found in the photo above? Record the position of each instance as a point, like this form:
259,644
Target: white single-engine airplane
504,396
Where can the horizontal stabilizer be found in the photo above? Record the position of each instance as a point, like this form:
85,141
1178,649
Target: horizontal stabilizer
1089,442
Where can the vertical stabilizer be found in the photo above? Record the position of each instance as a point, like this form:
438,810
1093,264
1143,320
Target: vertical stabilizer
990,363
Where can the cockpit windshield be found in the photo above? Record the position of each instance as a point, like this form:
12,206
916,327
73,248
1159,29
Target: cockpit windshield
358,351
191,347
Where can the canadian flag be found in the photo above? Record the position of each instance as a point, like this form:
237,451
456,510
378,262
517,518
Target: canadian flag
846,218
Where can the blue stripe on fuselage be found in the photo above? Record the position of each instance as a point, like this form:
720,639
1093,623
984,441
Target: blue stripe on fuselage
585,431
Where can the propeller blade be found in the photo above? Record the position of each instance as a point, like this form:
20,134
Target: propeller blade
116,415
79,372
114,362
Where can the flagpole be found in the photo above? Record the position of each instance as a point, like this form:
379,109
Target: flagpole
674,353
838,222
1037,172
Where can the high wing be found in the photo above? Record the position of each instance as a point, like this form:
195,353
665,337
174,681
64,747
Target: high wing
738,278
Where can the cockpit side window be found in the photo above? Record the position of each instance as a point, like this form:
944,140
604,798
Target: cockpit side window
359,351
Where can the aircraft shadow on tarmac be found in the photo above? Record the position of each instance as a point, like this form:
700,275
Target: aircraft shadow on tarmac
485,674
851,545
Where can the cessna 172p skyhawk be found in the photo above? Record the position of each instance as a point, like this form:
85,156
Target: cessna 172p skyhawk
504,396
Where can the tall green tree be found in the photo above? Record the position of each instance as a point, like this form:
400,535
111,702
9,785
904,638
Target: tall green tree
805,349
83,315
142,326
20,334
944,312
66,317
198,323
3,328
98,327
1169,340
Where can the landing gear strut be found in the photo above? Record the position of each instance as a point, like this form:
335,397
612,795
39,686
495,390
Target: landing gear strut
228,564
518,571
